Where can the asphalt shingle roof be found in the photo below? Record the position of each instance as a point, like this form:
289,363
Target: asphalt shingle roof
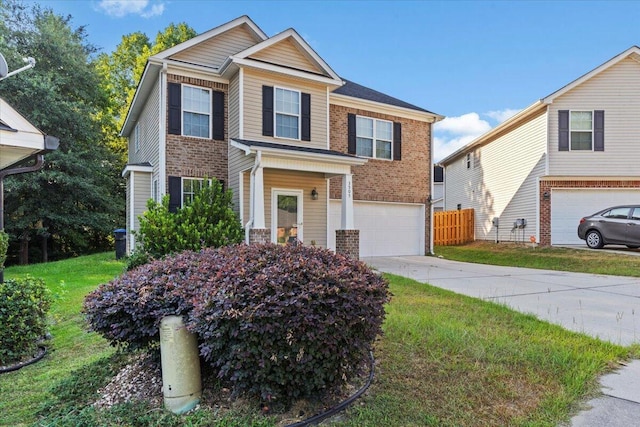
358,91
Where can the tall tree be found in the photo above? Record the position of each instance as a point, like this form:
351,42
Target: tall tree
77,199
122,69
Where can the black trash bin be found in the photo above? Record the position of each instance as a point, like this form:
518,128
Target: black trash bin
120,235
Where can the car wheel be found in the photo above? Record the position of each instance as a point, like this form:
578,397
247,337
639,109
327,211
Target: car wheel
594,239
633,246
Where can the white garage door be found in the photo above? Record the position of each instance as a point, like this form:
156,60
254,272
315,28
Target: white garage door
568,206
385,228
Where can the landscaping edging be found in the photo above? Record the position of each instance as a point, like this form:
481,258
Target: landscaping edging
342,405
41,353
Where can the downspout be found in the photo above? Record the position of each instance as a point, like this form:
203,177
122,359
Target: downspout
255,167
430,199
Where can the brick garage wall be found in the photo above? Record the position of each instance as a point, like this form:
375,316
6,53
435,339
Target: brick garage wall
546,186
348,243
406,181
197,157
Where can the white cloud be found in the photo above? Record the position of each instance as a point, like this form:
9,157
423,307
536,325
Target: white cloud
502,115
467,124
453,133
120,8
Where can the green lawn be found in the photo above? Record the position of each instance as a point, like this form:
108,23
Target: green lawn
445,360
548,258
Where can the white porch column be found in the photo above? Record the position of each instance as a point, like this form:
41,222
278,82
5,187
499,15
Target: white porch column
258,198
347,202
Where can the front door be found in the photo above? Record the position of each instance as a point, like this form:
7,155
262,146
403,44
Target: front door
286,216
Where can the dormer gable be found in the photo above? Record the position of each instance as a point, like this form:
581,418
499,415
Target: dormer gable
287,50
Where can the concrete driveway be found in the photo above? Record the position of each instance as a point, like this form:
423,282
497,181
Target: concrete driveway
606,307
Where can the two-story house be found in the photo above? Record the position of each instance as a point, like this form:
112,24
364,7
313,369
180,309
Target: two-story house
564,157
308,155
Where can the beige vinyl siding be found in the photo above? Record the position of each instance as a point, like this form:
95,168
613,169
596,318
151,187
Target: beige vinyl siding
617,92
502,181
234,107
253,82
314,217
149,123
286,53
141,193
213,52
238,162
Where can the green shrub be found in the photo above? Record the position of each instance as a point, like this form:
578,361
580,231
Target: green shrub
136,259
208,221
24,304
4,246
279,322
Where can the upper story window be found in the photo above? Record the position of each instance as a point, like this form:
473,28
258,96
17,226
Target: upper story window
287,111
136,137
196,111
467,160
374,138
581,127
580,130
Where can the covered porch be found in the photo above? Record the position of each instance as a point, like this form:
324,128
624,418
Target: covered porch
284,195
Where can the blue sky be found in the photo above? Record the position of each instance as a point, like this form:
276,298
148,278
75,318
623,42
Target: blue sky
475,62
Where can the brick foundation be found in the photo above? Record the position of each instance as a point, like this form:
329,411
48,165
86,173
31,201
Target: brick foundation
348,243
259,235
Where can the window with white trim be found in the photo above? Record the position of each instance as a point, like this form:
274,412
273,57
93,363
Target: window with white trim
196,111
287,113
468,160
190,186
581,130
374,138
136,137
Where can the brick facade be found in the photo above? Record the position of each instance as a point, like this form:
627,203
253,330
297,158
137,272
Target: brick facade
404,181
348,243
259,235
546,187
198,157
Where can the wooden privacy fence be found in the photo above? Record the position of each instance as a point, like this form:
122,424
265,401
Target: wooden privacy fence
453,227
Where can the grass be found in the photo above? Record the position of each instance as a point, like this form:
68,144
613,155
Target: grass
444,360
548,258
22,392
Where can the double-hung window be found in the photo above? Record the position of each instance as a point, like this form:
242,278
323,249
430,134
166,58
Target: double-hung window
196,111
581,128
287,112
374,138
190,186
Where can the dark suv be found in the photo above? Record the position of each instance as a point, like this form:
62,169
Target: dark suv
619,225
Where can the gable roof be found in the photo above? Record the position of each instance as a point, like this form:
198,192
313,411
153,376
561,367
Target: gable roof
535,108
258,34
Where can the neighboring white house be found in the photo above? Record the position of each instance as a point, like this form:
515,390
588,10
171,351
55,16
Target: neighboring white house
564,157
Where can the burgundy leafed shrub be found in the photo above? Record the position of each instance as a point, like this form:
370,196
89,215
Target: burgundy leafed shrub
127,311
280,322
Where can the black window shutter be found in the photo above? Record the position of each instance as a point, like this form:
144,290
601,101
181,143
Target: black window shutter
351,133
306,117
175,193
563,130
397,141
218,115
267,110
598,130
175,109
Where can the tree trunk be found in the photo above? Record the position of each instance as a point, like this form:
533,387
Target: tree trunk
45,253
24,249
